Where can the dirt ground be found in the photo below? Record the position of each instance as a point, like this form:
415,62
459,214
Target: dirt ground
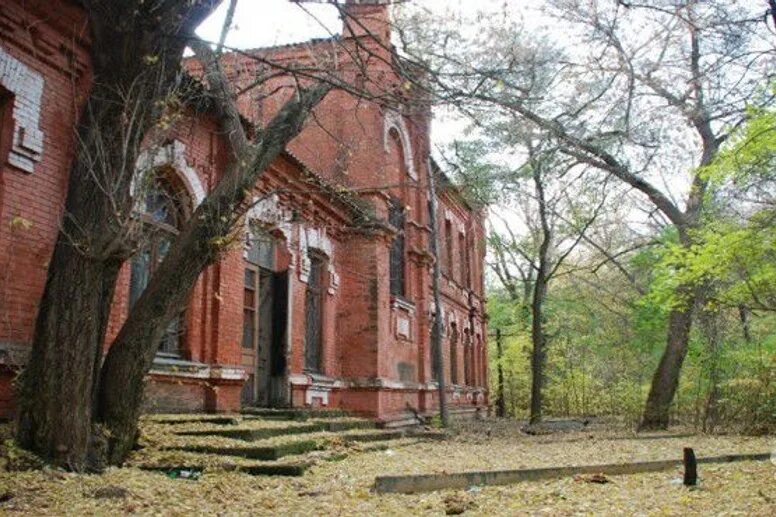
344,487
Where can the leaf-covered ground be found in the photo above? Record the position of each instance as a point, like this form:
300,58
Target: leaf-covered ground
343,488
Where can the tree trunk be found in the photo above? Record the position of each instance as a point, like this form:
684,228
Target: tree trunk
538,337
710,322
666,378
436,325
200,243
500,402
538,354
57,388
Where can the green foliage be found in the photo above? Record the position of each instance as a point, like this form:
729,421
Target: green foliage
751,151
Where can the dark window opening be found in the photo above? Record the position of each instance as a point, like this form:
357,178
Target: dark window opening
467,357
463,252
453,353
397,218
162,216
6,124
449,248
314,313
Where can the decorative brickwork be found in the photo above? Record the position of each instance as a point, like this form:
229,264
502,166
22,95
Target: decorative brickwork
27,87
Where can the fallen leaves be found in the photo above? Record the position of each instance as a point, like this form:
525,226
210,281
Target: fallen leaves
343,487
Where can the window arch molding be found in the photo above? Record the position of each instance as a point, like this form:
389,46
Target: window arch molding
172,156
395,122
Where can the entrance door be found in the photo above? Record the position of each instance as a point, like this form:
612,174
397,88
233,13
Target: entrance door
314,313
260,309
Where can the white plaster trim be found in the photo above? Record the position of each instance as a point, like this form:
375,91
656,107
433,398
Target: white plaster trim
299,379
394,120
174,155
269,211
27,87
322,393
316,238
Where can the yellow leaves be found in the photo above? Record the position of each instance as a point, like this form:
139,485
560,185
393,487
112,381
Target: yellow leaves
151,59
20,223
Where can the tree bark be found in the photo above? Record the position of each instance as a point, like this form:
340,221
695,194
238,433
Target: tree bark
666,378
200,244
57,388
538,336
501,409
539,352
436,324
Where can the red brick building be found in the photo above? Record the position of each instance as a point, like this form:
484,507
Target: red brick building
328,302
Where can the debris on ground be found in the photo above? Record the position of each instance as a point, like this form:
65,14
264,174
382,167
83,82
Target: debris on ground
598,478
457,503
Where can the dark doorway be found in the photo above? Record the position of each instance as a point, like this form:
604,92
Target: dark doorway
314,313
264,319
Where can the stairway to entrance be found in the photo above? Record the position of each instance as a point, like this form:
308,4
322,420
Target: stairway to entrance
262,441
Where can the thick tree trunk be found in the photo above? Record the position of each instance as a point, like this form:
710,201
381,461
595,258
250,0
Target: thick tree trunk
58,386
539,353
207,233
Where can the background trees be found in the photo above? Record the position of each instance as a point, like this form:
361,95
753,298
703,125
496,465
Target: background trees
646,93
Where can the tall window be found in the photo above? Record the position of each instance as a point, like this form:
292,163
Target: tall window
397,218
316,287
463,253
467,353
6,124
449,247
453,353
162,216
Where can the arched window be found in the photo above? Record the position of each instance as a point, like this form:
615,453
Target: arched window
162,215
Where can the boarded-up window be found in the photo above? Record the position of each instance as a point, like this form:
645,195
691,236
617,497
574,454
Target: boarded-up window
463,252
397,218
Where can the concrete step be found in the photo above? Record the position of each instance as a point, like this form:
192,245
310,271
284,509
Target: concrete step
167,419
254,452
252,430
294,413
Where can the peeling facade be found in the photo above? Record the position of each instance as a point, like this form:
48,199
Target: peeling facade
325,301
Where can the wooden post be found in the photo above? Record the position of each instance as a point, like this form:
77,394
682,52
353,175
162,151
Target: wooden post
500,402
690,467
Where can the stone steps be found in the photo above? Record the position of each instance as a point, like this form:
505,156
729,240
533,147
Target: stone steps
263,441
